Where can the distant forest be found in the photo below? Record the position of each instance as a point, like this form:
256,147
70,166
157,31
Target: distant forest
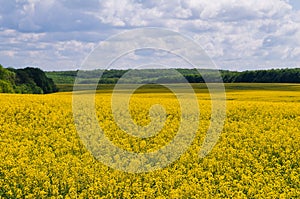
27,80
169,76
36,81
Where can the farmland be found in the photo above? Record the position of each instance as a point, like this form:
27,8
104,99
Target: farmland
257,154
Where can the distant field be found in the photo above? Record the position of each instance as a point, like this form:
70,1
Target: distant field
198,87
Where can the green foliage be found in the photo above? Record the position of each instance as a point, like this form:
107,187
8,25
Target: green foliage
29,89
6,87
62,77
28,80
6,80
40,79
263,76
168,76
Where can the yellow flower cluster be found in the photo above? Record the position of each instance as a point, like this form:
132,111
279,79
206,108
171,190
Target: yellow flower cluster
257,155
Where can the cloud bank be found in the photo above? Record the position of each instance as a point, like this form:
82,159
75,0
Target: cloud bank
236,34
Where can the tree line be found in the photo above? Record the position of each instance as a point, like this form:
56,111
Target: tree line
28,80
178,76
36,81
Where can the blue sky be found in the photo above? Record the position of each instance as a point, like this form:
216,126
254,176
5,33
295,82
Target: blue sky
236,34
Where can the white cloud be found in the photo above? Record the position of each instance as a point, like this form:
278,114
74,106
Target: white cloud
59,33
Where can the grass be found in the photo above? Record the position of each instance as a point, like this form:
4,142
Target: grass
198,87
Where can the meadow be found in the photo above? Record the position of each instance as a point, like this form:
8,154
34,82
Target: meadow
256,156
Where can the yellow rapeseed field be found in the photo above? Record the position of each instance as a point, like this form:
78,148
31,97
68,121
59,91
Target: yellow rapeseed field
256,156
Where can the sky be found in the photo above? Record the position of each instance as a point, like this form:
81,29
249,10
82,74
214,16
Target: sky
235,34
